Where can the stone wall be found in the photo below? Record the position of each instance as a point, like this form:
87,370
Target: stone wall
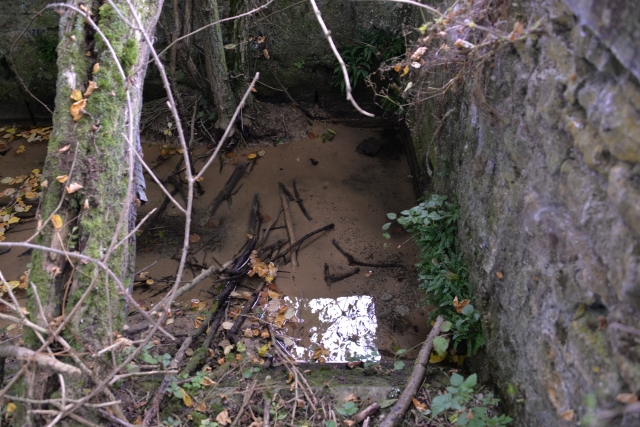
545,164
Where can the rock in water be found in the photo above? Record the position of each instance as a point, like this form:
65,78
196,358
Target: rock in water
370,146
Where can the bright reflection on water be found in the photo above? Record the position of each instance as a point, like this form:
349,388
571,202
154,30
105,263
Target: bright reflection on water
345,326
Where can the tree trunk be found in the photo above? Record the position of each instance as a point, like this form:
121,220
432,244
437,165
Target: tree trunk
215,60
93,152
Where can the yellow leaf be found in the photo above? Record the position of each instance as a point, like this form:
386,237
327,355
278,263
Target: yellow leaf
405,71
96,68
76,95
274,295
436,358
186,399
73,187
264,349
13,220
77,108
149,282
11,407
252,156
56,220
92,86
207,382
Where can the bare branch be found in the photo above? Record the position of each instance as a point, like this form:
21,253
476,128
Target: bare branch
345,73
45,361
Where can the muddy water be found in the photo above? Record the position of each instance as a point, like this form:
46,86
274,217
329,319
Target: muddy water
365,315
373,311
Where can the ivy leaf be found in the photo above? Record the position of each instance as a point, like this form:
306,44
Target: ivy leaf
387,403
441,344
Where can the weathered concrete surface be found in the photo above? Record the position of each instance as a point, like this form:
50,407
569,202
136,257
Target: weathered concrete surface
549,186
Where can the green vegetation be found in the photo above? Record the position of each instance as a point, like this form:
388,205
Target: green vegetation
442,271
365,56
460,404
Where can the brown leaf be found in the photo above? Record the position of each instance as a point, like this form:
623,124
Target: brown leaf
194,238
77,108
266,54
202,407
92,86
499,274
349,423
459,306
260,39
627,398
419,406
567,415
223,418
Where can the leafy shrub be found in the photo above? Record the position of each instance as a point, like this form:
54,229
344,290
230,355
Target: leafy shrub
458,404
442,271
365,56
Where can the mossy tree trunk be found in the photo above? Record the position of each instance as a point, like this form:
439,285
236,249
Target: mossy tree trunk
215,60
94,153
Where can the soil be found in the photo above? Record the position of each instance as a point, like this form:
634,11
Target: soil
374,311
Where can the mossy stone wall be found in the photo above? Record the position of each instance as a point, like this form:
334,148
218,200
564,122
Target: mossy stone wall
548,181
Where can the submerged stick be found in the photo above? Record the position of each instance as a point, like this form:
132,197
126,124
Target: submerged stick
353,261
299,201
330,279
420,367
292,236
226,191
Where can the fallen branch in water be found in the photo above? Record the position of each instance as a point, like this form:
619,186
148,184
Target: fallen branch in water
299,201
330,279
353,261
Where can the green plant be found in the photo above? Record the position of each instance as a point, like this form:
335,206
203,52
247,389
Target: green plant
347,409
299,64
328,135
371,49
457,404
442,271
